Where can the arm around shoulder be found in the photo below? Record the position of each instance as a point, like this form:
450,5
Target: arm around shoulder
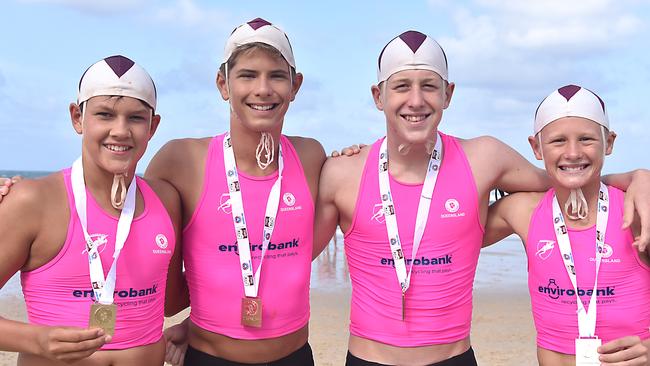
509,215
497,165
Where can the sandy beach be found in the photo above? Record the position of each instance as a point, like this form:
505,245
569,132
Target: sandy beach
502,329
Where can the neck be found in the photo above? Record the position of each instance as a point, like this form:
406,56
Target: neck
244,143
590,192
99,182
409,166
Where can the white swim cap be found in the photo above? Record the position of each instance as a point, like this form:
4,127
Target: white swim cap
259,30
117,75
411,50
571,101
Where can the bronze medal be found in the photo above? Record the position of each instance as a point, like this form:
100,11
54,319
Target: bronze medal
103,316
251,312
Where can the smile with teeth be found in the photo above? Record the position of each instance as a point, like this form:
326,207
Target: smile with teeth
573,168
117,148
415,118
262,107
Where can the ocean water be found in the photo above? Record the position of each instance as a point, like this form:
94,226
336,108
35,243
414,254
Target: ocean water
23,173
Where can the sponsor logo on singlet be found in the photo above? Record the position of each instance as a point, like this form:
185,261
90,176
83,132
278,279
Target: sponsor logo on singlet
452,206
290,203
162,243
99,240
294,243
421,261
224,204
122,293
378,213
608,251
544,249
554,291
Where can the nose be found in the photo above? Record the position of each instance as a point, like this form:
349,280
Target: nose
573,150
415,98
263,86
120,128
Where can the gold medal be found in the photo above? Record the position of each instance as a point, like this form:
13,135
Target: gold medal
103,316
251,312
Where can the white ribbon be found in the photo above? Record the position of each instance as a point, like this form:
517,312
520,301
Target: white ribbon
250,279
102,287
423,209
586,320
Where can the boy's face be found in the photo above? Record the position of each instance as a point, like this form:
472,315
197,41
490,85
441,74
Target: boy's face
115,130
259,88
573,151
413,101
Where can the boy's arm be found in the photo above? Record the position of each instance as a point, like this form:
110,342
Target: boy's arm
327,215
636,185
20,223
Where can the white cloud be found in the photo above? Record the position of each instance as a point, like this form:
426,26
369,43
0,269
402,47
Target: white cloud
96,6
188,14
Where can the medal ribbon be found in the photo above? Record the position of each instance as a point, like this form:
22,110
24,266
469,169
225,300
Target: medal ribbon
423,209
251,281
104,287
586,320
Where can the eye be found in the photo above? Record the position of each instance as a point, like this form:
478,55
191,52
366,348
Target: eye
279,76
400,87
430,87
246,75
103,115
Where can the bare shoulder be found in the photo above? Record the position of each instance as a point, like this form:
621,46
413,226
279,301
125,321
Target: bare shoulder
164,190
34,193
309,149
343,168
518,207
481,145
177,157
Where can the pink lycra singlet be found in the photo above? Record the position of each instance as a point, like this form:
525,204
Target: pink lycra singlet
439,300
623,283
59,293
211,256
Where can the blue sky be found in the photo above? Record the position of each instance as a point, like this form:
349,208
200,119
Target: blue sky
504,57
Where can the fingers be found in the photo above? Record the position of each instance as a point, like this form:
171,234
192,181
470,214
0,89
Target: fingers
175,354
623,351
16,179
348,151
70,344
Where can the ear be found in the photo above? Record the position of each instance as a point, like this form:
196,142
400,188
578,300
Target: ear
610,142
222,86
449,92
376,96
537,149
297,82
155,122
75,117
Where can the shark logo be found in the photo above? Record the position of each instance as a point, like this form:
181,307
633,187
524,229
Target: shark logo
544,249
99,241
378,213
224,204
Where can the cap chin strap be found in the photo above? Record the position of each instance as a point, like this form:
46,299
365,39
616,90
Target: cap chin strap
118,183
266,149
576,206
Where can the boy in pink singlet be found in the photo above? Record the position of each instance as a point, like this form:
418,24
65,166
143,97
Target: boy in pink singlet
412,208
589,285
248,203
94,254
